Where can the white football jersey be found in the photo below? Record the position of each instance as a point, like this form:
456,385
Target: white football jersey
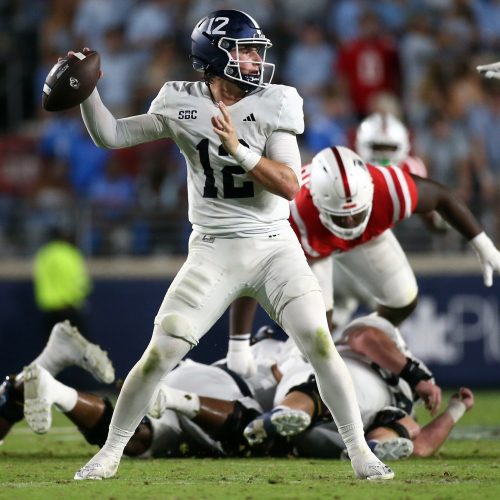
223,198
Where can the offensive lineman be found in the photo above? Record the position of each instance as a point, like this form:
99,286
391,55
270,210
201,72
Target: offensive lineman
238,135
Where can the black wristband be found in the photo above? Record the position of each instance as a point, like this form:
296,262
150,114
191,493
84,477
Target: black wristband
413,374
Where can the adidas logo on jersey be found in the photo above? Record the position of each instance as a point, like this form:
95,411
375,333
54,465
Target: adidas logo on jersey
249,118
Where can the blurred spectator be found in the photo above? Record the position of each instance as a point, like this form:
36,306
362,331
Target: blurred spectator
485,133
343,19
445,151
95,17
164,65
329,124
112,197
369,64
61,281
487,14
394,14
56,34
443,147
417,49
51,203
151,22
65,139
121,68
309,64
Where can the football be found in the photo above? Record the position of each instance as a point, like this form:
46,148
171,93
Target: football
71,81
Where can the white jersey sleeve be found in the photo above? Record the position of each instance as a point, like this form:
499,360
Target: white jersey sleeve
224,200
106,131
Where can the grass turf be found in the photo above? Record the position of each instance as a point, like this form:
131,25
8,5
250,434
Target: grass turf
42,467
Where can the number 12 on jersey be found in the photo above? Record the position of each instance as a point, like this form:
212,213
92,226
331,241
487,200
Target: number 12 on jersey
230,190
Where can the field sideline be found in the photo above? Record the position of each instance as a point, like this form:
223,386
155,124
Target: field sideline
41,467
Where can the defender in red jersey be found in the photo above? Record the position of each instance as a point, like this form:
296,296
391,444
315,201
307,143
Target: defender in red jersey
331,218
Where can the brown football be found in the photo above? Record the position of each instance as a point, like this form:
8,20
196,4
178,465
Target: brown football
71,81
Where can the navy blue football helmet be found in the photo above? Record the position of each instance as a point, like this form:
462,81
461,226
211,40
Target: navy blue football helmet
221,32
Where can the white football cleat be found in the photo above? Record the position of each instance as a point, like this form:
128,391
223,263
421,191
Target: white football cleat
393,449
101,466
37,402
368,466
75,349
283,421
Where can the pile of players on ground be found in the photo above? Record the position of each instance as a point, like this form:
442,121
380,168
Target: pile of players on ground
275,409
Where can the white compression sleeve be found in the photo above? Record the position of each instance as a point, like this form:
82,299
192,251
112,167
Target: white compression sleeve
305,321
107,131
283,147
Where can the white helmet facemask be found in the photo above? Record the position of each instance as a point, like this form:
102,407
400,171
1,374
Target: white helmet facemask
342,190
383,140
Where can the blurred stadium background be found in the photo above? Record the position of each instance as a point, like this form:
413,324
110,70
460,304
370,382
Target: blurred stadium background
128,211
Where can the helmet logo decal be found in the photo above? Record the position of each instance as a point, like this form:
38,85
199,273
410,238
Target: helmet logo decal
217,29
343,174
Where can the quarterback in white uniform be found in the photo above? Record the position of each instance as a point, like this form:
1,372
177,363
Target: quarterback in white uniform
238,135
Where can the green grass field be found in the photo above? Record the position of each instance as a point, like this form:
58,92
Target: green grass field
42,467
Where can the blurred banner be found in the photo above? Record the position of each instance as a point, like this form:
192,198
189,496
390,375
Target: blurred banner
455,329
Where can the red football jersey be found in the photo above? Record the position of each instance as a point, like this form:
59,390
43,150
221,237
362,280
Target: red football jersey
414,165
394,198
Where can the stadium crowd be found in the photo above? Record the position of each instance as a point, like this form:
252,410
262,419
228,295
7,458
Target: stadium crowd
348,58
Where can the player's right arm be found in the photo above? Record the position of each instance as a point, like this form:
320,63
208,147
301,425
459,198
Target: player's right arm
108,132
277,173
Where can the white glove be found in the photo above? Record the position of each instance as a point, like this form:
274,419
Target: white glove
490,70
488,255
239,356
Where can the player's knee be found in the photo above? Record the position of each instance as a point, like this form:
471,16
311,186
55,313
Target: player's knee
300,286
178,326
396,315
172,339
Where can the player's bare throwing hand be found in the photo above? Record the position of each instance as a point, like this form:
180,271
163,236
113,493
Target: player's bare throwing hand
237,132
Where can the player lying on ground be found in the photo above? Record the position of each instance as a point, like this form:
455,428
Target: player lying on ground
190,424
65,347
200,410
386,399
348,207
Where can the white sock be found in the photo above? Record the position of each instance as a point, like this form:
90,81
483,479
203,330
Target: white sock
187,403
51,360
239,355
64,397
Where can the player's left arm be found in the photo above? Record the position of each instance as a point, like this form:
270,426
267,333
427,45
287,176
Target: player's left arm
434,196
280,175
